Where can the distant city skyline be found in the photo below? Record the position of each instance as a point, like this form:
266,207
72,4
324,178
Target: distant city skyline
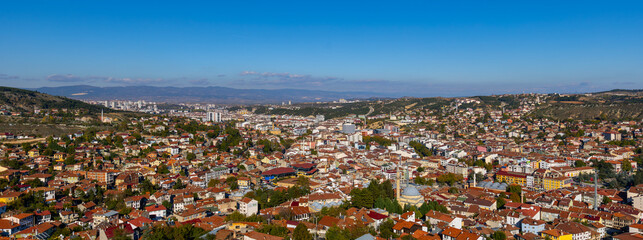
413,48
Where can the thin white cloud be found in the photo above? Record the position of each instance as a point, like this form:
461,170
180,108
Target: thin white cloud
284,79
72,78
8,77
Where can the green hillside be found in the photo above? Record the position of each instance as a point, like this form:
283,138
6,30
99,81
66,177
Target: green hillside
15,99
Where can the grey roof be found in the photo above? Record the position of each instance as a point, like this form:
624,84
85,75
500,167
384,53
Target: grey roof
367,236
410,191
492,185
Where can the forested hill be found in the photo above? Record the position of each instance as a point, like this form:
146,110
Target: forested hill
609,105
15,99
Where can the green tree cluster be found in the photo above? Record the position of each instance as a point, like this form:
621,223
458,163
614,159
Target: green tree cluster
420,149
239,217
382,141
449,178
268,198
423,181
301,233
274,230
233,138
183,232
337,233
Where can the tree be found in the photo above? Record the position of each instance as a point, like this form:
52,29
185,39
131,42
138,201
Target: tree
301,233
235,217
626,165
178,185
232,182
125,211
606,200
515,191
35,183
362,198
213,182
303,181
579,163
274,230
162,169
386,229
147,186
420,149
515,198
498,235
423,181
167,205
191,156
449,178
336,234
70,160
183,232
500,202
407,237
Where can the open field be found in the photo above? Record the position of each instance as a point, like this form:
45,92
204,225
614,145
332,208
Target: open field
42,130
21,141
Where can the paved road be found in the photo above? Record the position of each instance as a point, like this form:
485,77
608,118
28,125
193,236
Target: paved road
370,110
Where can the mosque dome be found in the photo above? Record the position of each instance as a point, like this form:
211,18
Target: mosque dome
410,191
410,196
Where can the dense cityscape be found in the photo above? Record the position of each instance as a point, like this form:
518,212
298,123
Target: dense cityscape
321,120
459,171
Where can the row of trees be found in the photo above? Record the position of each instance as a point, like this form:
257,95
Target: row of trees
420,149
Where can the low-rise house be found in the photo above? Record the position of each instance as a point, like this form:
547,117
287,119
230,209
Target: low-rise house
48,193
40,231
25,220
556,234
190,214
43,216
156,212
532,225
435,217
135,202
578,231
105,216
248,206
8,228
68,216
406,227
450,233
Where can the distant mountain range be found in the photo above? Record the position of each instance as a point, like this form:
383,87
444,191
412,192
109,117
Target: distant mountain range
221,95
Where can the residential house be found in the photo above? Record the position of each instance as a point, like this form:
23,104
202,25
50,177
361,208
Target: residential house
556,234
68,216
8,227
25,220
248,206
156,212
532,225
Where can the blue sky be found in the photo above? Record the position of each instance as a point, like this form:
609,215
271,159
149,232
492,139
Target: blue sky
405,48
